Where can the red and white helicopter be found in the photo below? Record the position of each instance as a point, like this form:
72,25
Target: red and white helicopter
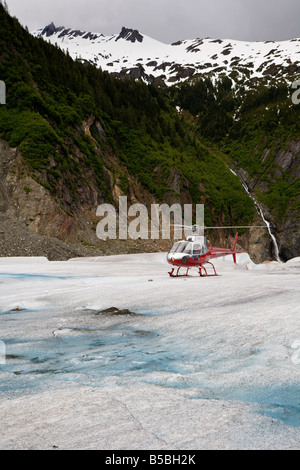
195,251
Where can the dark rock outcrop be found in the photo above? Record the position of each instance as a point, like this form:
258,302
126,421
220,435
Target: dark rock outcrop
132,35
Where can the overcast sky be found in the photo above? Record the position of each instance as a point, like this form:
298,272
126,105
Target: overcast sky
168,20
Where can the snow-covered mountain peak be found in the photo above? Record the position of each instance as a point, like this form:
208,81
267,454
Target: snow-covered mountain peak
130,35
135,55
60,32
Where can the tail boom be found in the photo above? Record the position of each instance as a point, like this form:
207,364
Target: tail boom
219,252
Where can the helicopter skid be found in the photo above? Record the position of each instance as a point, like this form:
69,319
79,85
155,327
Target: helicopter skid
201,267
202,271
177,273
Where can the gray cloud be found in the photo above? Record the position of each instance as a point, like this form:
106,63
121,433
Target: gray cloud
168,20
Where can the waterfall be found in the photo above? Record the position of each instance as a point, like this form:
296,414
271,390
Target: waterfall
260,212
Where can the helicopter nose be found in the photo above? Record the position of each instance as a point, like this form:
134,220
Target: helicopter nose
171,258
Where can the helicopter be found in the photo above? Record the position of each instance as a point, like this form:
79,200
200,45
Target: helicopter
195,252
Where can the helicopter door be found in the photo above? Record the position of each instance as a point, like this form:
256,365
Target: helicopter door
197,250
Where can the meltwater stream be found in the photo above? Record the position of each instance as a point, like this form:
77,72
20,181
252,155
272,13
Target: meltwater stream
260,212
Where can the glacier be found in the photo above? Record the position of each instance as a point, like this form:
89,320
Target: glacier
112,353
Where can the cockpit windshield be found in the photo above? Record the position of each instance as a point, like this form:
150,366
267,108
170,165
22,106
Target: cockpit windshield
182,247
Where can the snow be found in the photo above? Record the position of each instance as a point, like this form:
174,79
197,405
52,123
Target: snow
206,363
205,55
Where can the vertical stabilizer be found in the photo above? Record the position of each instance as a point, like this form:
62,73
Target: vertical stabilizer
234,247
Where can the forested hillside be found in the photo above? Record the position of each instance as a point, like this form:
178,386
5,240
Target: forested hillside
259,130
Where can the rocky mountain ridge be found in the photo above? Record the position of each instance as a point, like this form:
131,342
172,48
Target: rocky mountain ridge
136,55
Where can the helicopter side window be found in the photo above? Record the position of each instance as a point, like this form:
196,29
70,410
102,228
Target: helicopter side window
197,249
188,248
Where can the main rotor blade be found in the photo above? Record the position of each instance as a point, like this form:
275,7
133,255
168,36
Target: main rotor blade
186,226
219,228
236,226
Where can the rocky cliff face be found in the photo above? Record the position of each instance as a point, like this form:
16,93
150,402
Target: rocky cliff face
31,222
287,162
34,223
